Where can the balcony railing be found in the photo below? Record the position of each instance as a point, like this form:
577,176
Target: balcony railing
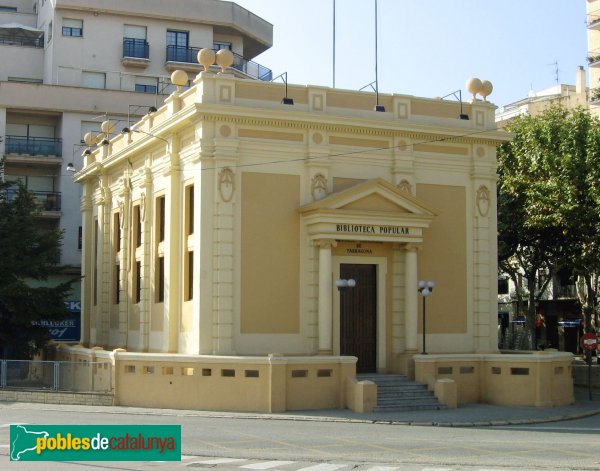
33,145
47,200
14,41
138,48
190,55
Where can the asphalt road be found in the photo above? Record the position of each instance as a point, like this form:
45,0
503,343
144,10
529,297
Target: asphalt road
241,444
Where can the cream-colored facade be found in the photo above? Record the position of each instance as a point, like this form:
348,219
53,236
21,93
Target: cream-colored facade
216,229
252,207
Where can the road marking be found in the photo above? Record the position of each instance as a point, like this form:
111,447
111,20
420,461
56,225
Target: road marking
436,469
267,464
323,467
219,461
572,429
382,468
4,446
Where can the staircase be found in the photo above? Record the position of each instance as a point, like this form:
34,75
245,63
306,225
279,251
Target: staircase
397,393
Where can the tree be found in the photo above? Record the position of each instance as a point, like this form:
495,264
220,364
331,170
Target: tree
28,257
549,200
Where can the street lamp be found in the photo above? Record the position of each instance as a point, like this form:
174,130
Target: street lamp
343,285
425,288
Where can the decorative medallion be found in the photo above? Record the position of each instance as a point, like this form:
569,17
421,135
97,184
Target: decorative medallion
483,200
480,152
317,138
404,185
225,131
318,186
226,184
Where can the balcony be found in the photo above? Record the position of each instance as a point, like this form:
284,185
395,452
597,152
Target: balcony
33,146
136,52
593,22
178,56
48,201
22,41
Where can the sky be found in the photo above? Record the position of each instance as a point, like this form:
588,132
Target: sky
427,48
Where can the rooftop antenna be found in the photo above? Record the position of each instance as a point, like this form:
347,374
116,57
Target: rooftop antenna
333,43
378,107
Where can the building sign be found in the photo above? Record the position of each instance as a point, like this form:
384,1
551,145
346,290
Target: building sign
372,229
66,330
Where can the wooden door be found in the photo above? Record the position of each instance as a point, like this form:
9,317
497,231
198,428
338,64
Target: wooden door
358,316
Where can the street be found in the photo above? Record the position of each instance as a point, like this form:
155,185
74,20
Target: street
228,443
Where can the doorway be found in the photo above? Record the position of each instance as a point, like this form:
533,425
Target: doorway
358,316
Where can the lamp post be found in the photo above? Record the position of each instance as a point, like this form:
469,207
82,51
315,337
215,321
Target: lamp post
425,288
343,285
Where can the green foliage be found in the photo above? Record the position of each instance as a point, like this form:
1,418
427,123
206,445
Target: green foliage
549,196
27,256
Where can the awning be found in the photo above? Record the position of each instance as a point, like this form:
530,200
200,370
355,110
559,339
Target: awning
18,30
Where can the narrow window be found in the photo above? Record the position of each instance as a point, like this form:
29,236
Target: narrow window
138,281
189,277
160,280
137,226
189,201
117,284
117,232
160,216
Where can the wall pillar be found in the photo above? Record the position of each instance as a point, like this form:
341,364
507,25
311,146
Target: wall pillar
411,304
325,297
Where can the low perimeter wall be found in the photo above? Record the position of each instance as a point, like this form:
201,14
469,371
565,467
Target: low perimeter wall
248,384
56,397
536,379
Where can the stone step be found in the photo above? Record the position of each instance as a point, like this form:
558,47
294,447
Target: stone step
398,393
410,408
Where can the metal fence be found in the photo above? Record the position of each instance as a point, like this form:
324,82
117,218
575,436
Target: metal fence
79,376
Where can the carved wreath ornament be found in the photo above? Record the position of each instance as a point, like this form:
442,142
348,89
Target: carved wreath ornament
226,184
483,200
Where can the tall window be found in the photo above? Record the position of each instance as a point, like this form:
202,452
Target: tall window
188,294
160,280
137,278
137,226
117,232
160,218
189,213
117,284
72,27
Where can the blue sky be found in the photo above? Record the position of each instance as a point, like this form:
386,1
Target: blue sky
427,47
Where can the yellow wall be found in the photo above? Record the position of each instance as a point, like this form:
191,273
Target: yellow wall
270,243
443,259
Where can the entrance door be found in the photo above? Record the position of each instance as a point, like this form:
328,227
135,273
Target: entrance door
358,316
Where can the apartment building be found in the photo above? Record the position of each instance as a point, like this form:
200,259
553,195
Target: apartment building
567,95
70,64
593,57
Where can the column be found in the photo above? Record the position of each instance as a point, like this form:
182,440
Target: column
411,304
325,297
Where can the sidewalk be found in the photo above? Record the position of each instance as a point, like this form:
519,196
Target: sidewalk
468,415
473,415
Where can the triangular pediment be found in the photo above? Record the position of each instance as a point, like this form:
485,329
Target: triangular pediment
372,196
